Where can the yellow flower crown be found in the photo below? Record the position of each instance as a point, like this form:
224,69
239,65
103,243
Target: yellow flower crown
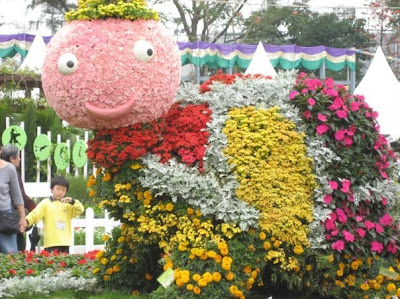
104,9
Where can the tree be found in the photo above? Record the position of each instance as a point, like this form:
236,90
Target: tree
52,13
300,26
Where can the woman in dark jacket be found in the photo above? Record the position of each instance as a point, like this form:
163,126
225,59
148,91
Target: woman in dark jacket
10,153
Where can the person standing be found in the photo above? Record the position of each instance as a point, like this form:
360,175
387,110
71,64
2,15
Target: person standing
56,213
11,153
10,197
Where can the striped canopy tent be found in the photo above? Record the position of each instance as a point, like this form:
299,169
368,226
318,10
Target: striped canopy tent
10,45
286,56
224,55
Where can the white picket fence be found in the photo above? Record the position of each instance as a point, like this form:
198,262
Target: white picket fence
89,223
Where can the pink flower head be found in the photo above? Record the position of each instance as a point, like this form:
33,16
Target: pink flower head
348,141
375,115
329,83
392,247
350,198
312,84
384,201
354,106
334,185
322,117
293,94
328,199
338,245
346,186
330,224
361,232
307,114
385,220
335,232
341,114
341,215
322,129
340,134
378,228
348,236
369,225
376,246
337,104
311,101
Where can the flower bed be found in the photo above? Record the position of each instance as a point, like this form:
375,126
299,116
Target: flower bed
251,183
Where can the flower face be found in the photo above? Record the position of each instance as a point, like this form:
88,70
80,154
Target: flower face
111,73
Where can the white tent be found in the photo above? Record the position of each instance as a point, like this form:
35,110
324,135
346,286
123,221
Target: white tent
35,58
381,90
260,63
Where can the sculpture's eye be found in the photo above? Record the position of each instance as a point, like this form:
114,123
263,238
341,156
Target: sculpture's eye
67,64
143,51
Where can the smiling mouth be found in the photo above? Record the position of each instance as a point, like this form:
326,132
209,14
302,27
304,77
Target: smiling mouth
110,113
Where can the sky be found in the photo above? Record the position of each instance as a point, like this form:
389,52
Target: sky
16,17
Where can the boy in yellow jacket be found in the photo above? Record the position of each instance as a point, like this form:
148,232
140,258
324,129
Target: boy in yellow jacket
56,212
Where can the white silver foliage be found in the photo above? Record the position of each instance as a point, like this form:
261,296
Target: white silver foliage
203,191
45,284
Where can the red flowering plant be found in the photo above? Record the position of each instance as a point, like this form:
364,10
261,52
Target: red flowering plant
348,127
30,264
227,79
180,133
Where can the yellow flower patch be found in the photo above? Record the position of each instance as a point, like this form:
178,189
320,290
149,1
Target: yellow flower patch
274,173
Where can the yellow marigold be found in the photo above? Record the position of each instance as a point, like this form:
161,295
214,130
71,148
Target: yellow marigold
391,287
398,292
208,277
196,290
369,261
254,274
251,248
113,257
202,283
92,193
169,207
119,251
198,213
331,258
135,293
99,254
298,249
225,251
117,268
106,177
216,276
109,271
148,276
95,270
189,287
229,276
376,286
211,254
339,272
226,266
106,278
233,289
364,286
189,211
121,240
262,236
247,269
136,166
354,265
267,245
103,261
380,278
218,258
196,277
308,268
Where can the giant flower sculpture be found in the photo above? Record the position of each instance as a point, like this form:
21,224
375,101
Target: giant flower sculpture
246,181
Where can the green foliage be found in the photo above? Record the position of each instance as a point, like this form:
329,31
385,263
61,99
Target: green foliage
78,189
